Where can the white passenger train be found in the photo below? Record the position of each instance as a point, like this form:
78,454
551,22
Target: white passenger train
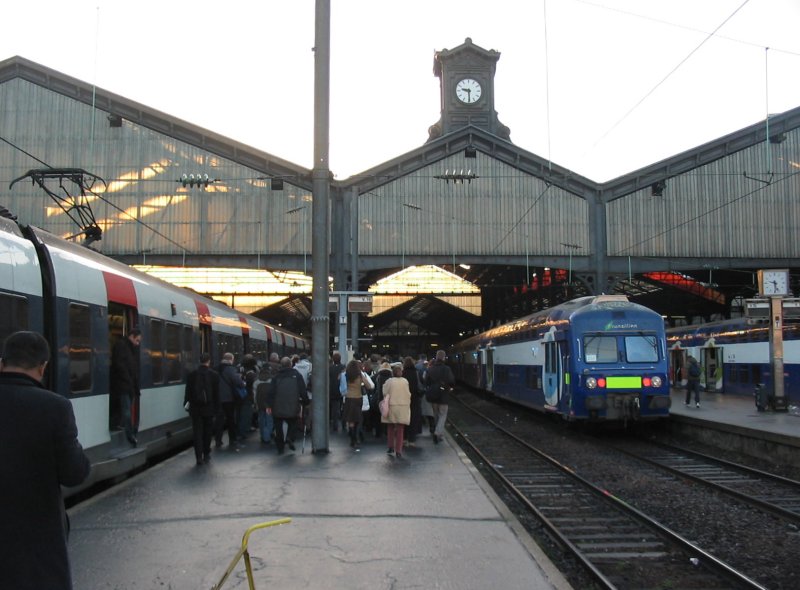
83,302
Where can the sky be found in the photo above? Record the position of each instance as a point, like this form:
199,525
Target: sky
601,87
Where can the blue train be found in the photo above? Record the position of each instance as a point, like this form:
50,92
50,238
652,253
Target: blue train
599,358
734,356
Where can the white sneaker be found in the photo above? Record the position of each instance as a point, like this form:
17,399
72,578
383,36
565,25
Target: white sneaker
697,405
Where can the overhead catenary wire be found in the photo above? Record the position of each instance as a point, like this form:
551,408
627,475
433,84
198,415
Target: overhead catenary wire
665,78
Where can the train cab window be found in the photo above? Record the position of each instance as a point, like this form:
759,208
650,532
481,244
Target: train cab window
13,315
173,353
641,349
80,349
600,349
157,351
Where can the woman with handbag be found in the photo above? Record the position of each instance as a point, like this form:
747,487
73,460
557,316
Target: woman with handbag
397,412
353,379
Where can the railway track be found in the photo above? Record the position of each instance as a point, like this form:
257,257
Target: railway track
765,491
617,545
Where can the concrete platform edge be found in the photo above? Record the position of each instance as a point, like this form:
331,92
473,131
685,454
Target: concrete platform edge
547,567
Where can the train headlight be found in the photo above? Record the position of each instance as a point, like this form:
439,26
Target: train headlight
657,381
646,381
591,382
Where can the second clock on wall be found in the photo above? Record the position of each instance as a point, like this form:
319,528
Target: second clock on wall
468,90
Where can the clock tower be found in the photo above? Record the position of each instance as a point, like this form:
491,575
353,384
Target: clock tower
466,79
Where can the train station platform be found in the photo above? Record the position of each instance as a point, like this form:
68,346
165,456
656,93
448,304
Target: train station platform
734,422
358,520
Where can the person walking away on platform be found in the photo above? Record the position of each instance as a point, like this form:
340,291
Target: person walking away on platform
414,427
286,393
304,367
335,369
439,379
396,389
265,423
202,396
229,382
373,422
247,404
353,380
39,453
370,367
425,406
693,381
125,382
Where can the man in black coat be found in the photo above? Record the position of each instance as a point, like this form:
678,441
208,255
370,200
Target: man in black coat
39,452
439,380
202,396
125,382
286,392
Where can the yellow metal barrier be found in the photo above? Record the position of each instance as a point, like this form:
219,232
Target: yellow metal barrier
243,552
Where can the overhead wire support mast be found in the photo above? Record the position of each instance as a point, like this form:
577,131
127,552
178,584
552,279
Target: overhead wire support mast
76,207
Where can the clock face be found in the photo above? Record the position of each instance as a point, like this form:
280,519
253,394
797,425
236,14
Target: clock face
775,282
468,91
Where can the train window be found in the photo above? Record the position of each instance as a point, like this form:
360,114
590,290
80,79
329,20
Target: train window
600,349
755,373
258,348
641,349
80,349
157,351
174,372
13,315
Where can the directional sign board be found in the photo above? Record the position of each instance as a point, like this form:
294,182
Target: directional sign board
359,303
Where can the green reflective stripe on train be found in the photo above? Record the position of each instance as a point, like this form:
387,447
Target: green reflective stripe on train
623,383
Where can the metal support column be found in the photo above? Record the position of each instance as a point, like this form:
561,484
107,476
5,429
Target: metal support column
779,401
353,212
320,323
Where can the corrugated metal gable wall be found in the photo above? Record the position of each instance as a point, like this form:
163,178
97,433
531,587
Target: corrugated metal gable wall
746,205
240,214
502,212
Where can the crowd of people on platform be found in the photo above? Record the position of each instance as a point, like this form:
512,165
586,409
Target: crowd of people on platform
374,397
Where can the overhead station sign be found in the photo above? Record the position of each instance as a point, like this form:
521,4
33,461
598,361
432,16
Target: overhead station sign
358,302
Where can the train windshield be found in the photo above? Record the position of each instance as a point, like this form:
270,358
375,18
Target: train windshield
612,349
641,349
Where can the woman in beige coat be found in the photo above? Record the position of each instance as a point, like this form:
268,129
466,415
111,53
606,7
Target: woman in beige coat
396,389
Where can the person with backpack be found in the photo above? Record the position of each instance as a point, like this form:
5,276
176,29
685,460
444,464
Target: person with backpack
286,393
201,398
693,381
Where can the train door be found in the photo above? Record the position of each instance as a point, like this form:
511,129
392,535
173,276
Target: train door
121,320
490,368
711,362
479,381
552,370
677,362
